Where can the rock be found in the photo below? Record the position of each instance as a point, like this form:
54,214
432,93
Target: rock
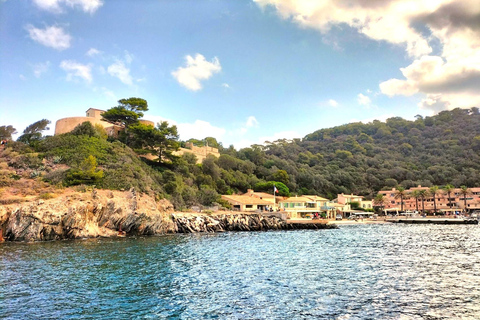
79,215
238,222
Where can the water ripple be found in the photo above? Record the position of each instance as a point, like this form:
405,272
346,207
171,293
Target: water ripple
355,272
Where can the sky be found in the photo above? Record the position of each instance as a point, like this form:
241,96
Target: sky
242,71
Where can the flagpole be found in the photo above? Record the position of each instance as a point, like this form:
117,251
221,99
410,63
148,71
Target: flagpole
274,202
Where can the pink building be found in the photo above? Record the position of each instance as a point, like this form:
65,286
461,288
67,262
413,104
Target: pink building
456,200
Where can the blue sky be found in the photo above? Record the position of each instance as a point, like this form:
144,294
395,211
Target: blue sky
241,71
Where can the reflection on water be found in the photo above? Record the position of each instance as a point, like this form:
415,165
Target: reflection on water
355,272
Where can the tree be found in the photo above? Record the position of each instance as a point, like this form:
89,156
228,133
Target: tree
126,113
416,195
161,141
434,191
6,132
423,193
448,189
380,201
464,191
33,133
87,173
269,187
86,128
282,176
400,193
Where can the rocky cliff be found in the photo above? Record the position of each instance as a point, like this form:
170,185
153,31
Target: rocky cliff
99,213
104,213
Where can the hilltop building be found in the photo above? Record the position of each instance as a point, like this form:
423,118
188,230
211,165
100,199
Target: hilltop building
200,152
94,116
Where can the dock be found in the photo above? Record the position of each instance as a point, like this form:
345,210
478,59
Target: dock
433,221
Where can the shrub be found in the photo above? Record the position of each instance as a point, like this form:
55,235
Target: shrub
5,178
46,196
35,173
224,203
56,176
86,174
25,161
57,159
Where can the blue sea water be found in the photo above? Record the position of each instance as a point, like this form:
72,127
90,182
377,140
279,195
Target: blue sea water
354,272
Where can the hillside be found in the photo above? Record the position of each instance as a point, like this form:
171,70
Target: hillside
364,158
354,158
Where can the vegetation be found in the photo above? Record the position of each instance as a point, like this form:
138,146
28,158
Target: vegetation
33,133
442,150
6,132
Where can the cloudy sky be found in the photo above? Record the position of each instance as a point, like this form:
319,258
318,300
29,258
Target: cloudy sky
244,71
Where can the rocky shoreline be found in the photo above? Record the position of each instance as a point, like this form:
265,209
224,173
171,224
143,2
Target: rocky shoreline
240,222
104,213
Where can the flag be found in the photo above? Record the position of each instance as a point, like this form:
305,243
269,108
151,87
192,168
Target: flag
275,189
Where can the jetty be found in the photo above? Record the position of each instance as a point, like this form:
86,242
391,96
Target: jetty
433,221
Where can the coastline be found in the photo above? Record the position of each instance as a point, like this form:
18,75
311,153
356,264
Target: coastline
110,214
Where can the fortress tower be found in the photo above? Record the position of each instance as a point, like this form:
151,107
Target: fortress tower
94,116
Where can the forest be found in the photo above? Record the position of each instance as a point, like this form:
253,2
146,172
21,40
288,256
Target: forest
353,158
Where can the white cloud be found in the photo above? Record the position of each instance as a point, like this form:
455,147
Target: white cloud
56,6
251,122
363,100
109,93
379,20
40,68
199,130
448,78
54,37
196,69
119,70
75,69
447,85
226,85
93,52
128,57
332,103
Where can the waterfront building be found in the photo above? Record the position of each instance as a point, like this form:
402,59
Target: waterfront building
300,207
345,201
442,201
247,202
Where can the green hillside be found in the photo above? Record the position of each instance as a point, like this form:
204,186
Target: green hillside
354,158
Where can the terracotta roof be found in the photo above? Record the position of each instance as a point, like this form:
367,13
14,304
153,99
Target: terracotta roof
95,109
243,199
261,194
315,197
297,199
351,196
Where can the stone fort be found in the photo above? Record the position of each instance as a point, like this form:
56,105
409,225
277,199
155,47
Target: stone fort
94,116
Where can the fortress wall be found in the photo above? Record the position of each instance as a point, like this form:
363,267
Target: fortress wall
147,122
200,152
68,124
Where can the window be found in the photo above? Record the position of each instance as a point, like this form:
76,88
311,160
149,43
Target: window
249,206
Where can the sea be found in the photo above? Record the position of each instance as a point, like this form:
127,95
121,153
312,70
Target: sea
382,271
